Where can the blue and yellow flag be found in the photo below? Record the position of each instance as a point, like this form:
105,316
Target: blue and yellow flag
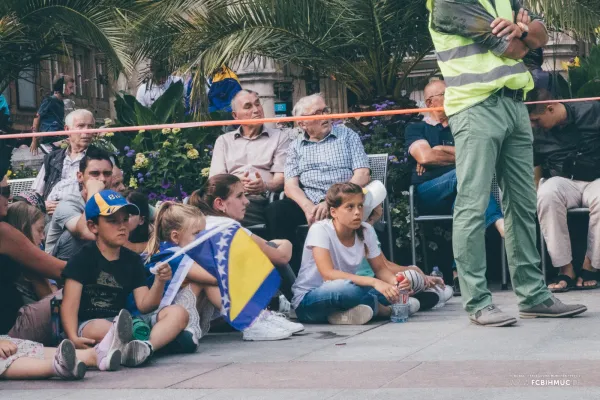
247,278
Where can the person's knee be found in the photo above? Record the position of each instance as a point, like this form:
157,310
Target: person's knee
549,195
176,314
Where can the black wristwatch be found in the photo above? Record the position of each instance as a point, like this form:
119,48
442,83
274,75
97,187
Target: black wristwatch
524,35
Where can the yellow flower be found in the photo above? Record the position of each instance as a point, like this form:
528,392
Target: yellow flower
193,154
8,173
141,131
565,65
189,146
576,62
107,121
166,131
176,131
109,134
64,145
132,183
205,172
166,143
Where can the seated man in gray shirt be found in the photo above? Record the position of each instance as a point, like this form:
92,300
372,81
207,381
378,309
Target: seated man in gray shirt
68,229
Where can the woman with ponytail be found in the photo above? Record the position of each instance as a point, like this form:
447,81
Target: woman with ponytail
222,199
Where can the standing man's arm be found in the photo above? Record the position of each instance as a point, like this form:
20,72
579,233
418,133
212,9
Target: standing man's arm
472,20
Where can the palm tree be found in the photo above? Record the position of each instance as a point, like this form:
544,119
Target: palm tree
34,30
580,18
370,45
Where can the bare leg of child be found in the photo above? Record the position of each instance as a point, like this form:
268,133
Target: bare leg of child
59,362
171,321
96,329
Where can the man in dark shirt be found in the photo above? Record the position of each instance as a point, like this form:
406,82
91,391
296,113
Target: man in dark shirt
430,146
567,151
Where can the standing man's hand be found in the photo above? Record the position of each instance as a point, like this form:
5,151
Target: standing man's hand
34,145
523,17
506,29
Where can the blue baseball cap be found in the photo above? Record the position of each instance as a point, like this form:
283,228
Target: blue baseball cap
108,202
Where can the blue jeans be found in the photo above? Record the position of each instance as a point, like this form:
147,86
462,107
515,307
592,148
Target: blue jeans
437,196
334,296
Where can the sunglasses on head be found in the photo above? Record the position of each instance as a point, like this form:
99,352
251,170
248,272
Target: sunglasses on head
5,191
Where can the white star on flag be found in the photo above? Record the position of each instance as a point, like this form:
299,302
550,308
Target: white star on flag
222,243
225,299
221,268
220,257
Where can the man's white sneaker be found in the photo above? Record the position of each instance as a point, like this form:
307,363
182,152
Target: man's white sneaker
358,315
413,305
262,329
282,322
448,293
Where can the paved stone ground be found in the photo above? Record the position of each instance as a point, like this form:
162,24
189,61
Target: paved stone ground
437,354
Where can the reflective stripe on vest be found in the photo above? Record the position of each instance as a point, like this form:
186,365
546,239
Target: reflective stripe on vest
471,71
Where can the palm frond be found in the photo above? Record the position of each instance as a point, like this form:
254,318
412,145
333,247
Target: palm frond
578,17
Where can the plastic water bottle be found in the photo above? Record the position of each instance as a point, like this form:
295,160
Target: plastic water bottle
436,272
401,308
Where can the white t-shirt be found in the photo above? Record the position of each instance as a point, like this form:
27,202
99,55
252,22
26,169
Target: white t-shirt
148,92
347,259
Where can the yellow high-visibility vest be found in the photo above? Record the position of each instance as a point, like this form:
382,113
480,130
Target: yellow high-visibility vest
472,73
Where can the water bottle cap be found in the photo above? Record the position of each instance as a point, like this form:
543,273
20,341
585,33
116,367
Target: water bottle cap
400,278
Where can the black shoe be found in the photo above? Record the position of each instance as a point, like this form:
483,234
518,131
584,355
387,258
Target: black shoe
456,285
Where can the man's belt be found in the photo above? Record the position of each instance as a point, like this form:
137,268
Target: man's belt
516,95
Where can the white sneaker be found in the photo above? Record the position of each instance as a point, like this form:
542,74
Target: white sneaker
284,306
413,305
262,329
448,293
279,320
358,315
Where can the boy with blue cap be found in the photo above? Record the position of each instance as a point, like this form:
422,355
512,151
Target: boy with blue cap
98,280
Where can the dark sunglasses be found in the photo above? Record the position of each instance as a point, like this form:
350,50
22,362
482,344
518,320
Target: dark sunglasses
5,191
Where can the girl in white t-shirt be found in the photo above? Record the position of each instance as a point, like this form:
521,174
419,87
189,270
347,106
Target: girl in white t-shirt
327,288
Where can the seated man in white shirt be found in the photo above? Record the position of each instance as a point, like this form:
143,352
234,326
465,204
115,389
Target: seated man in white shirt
156,86
57,178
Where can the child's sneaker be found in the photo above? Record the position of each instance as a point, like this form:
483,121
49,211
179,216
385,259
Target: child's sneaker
136,353
358,315
65,363
279,320
413,305
262,329
109,350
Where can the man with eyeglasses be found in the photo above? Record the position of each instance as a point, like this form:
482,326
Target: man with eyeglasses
255,153
430,147
480,45
68,229
322,156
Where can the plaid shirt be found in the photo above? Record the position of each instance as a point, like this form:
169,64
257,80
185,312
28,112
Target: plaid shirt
318,165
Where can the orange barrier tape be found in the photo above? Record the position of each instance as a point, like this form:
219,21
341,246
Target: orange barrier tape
184,125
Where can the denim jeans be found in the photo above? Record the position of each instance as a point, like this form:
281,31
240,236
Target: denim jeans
334,296
437,197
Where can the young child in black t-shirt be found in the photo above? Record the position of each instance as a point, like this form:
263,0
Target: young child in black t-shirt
100,277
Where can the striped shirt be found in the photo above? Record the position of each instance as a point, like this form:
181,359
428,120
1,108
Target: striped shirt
318,165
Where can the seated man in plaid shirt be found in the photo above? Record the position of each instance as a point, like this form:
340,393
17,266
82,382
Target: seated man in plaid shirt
322,156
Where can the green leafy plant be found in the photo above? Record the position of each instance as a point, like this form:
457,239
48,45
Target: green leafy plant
584,74
166,164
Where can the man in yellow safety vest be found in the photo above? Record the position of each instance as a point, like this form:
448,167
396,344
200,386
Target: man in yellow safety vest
479,46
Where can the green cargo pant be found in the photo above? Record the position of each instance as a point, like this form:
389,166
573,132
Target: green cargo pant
495,136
